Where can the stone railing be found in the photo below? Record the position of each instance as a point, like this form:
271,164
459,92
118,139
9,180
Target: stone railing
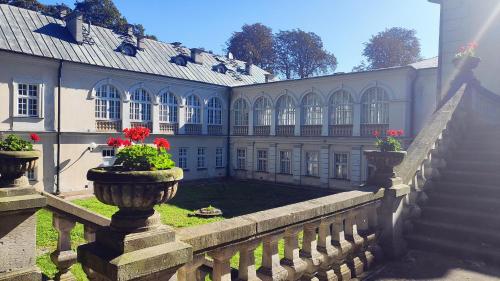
368,129
285,130
108,126
240,130
339,241
340,131
169,128
192,129
148,125
215,130
262,130
310,130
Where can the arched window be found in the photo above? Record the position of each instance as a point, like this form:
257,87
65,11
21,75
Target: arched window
262,112
285,110
214,111
312,110
168,108
375,106
240,112
107,103
341,108
140,106
193,110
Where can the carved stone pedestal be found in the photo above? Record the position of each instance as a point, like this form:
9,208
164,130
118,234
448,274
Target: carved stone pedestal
18,233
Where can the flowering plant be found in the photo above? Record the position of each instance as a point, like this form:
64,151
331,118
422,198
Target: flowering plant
390,141
15,143
468,50
135,155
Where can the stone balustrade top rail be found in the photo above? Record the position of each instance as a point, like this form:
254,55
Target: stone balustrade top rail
204,238
428,136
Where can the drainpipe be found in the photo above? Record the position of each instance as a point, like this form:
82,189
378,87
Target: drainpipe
412,104
58,151
228,137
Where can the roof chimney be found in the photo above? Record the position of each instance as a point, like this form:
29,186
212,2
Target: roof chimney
74,24
63,12
268,77
196,55
140,43
248,67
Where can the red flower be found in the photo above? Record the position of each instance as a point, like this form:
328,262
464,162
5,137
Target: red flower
126,143
376,133
401,133
115,142
34,137
137,134
162,143
392,133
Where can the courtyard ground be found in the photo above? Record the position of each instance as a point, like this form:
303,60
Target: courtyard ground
233,198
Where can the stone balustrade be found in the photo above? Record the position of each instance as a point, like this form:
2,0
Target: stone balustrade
311,130
215,130
262,130
285,130
368,129
169,128
192,129
240,130
148,125
108,126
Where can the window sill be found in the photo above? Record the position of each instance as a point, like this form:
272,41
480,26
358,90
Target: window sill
27,118
219,168
201,169
262,172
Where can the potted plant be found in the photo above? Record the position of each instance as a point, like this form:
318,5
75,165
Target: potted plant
17,156
386,158
141,177
465,58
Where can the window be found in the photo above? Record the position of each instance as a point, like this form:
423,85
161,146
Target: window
285,162
183,157
28,100
107,103
341,108
341,166
214,112
313,111
312,163
193,110
262,111
201,163
286,110
31,175
240,113
261,160
241,158
375,106
219,157
108,155
140,106
168,108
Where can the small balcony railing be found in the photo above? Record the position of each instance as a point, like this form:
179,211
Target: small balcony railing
310,130
285,130
262,130
215,130
240,130
148,125
340,130
108,126
192,129
169,128
368,129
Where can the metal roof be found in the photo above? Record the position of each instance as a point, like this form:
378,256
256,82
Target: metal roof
28,32
426,63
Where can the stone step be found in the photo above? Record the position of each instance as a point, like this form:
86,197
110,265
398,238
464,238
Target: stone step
457,232
457,215
459,187
472,177
456,248
491,166
471,202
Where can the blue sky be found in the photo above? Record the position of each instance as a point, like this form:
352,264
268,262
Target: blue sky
342,24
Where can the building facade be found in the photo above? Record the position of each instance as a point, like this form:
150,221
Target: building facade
77,85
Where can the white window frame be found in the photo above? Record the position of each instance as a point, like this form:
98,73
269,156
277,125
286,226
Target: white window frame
341,108
169,108
105,107
312,163
214,107
344,164
312,109
375,106
193,110
263,112
182,158
140,106
262,155
108,156
201,162
241,112
285,110
39,98
241,158
219,157
285,162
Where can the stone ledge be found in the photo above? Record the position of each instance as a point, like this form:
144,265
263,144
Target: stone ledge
22,202
32,274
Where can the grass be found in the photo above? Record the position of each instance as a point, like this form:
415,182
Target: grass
233,198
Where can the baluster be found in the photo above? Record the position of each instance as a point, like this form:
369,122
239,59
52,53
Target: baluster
374,227
326,248
292,262
247,270
356,240
368,236
310,252
271,268
63,257
343,246
222,266
190,271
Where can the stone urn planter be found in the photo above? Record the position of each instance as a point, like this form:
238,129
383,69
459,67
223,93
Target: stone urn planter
14,165
384,162
467,63
135,193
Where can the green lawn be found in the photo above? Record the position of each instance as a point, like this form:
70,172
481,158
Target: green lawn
233,198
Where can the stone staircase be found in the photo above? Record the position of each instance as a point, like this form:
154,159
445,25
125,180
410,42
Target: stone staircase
462,215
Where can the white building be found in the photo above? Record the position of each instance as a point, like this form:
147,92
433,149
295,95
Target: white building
76,85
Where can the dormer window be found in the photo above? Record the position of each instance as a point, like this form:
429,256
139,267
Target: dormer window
220,68
179,60
128,49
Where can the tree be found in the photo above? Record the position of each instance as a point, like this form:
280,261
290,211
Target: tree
396,46
253,43
301,54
